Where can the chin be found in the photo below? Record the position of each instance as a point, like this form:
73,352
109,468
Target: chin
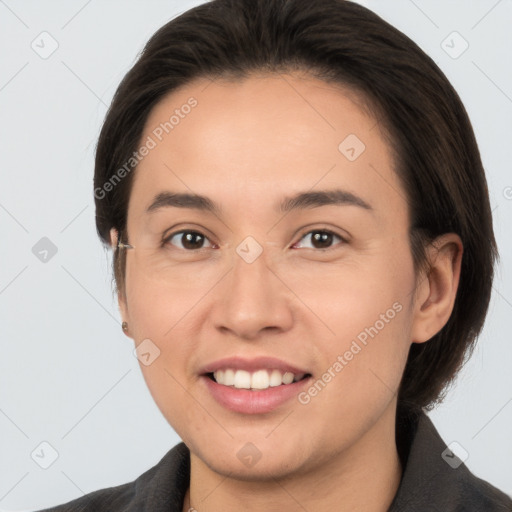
276,469
259,461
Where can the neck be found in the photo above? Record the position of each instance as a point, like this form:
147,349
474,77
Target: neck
363,478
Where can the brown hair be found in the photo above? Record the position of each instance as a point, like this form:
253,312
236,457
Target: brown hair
436,154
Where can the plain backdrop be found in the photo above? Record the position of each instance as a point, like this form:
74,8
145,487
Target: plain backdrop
68,376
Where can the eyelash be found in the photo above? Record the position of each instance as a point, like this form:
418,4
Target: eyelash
168,238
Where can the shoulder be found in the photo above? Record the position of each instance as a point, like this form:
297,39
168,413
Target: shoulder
111,499
434,478
477,494
161,487
458,485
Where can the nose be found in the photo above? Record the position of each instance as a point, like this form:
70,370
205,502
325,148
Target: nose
253,300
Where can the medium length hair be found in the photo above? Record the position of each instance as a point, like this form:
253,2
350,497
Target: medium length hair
427,128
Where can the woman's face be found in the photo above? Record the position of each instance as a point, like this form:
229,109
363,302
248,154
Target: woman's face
318,288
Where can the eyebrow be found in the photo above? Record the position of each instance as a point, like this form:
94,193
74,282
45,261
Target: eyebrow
299,201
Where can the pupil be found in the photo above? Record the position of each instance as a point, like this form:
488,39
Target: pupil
322,237
187,240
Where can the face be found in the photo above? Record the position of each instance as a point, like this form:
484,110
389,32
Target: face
260,287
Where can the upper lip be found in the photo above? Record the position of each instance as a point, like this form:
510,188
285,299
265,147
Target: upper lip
257,363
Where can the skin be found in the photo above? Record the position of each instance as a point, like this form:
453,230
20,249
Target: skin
247,145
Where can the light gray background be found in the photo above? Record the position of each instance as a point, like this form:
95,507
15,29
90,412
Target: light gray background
67,373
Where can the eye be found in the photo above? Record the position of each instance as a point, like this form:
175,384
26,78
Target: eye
320,238
190,240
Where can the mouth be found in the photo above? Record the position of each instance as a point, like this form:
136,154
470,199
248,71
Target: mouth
253,386
247,399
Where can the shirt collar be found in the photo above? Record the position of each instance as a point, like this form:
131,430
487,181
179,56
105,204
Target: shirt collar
430,480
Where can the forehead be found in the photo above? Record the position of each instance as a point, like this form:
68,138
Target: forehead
262,137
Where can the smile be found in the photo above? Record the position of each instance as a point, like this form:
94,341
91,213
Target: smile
257,380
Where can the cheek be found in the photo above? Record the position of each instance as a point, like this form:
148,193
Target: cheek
361,368
161,317
162,314
366,315
156,307
351,296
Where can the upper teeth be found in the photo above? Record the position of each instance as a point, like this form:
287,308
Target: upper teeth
260,379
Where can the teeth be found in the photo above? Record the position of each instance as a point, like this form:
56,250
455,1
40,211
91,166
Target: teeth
242,380
287,378
260,379
276,378
228,377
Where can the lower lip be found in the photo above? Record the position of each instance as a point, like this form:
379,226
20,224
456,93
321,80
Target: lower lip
253,402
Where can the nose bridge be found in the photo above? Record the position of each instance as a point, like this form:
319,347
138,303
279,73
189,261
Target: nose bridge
255,298
252,277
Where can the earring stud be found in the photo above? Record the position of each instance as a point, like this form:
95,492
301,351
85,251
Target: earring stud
124,326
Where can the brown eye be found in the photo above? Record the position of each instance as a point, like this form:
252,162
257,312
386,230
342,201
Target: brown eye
321,239
190,240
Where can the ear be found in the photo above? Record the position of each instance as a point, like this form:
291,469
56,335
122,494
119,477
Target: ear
113,238
121,298
436,292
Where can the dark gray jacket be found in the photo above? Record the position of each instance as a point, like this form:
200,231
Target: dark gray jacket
430,481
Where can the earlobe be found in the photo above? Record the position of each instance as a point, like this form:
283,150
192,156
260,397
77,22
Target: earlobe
113,238
124,314
121,298
123,309
435,296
